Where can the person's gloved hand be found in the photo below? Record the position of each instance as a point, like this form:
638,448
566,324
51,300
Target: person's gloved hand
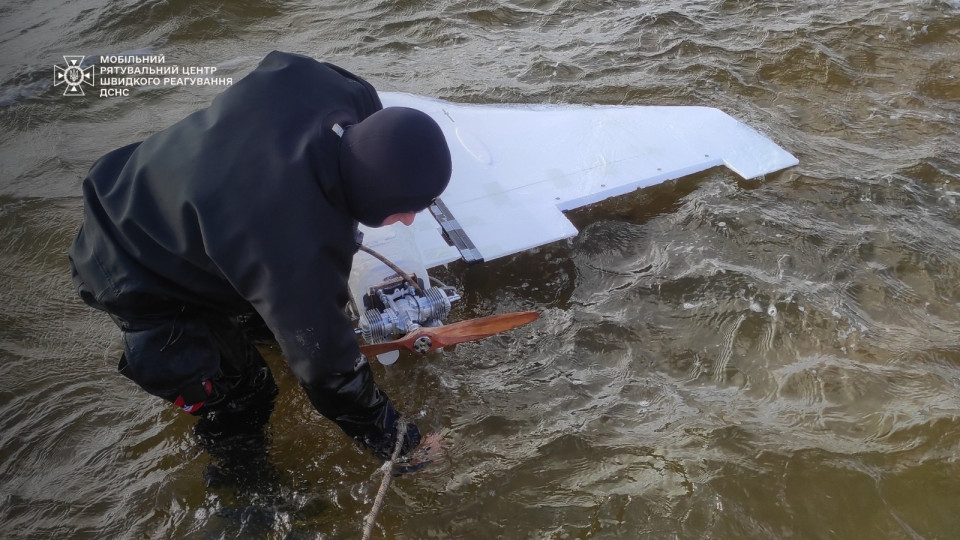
425,454
411,440
386,443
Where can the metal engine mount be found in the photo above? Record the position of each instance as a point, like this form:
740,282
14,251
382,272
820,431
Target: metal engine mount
394,308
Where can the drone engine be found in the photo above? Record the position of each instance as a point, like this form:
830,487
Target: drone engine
395,308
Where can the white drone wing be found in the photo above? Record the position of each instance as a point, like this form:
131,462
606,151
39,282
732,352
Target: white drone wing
516,168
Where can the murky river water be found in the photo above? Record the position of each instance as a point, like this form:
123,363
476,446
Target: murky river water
716,358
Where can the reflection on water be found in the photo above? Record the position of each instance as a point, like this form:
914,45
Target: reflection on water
715,358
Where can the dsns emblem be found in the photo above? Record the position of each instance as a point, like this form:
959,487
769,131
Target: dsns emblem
74,76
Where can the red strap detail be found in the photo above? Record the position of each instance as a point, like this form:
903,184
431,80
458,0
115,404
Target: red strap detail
193,408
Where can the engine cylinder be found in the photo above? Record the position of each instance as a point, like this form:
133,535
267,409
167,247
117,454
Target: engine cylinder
404,314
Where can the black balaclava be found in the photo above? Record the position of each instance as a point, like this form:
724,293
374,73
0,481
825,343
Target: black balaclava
394,161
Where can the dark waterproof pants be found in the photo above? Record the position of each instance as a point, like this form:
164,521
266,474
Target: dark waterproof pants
207,366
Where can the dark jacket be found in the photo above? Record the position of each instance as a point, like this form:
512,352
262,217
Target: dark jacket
239,206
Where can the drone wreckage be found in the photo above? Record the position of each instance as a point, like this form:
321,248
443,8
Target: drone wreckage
517,168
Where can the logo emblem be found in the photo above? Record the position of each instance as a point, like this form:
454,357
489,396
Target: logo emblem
74,76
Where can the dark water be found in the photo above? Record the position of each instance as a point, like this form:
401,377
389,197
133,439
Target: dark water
716,358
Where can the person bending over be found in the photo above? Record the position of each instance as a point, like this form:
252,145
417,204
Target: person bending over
251,206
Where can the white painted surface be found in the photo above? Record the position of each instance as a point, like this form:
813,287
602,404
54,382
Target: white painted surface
516,168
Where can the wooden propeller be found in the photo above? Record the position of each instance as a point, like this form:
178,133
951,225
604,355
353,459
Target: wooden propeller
424,340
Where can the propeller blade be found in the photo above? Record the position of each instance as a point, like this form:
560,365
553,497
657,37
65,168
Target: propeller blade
424,340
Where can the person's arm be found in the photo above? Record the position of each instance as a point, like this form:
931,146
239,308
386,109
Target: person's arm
292,266
305,312
354,402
